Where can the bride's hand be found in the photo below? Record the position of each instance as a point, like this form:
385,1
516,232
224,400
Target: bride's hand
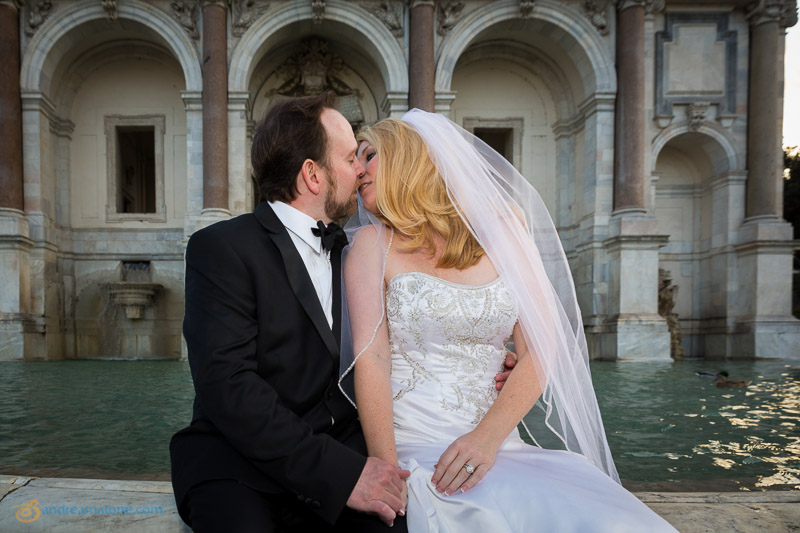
469,449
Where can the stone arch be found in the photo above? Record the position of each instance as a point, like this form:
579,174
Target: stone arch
51,42
487,78
698,201
369,35
98,57
718,146
528,58
589,49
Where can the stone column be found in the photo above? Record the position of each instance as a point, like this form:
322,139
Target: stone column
628,325
629,130
763,325
764,155
215,105
16,327
10,108
421,67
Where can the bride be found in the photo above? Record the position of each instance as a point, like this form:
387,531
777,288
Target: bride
453,254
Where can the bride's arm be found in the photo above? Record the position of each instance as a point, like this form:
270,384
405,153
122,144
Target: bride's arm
374,397
479,447
363,274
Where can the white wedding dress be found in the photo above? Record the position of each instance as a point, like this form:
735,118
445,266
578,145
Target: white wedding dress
448,343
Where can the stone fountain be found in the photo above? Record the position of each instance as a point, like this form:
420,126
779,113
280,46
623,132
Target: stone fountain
135,291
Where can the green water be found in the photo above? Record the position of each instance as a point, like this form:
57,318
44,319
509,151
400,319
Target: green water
667,426
668,429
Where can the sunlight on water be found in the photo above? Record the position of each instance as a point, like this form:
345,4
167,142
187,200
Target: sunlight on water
744,438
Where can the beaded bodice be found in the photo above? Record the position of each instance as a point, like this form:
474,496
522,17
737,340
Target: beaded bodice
448,343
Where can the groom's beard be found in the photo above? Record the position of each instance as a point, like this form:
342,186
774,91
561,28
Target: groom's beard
333,209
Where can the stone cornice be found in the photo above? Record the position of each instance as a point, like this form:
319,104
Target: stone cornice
36,101
777,247
62,127
192,100
239,101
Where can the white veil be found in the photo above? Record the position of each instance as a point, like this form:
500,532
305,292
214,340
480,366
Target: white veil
510,221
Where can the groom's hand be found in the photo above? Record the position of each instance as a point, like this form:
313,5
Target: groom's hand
511,361
380,490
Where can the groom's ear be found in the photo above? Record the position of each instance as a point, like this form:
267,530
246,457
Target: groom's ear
309,177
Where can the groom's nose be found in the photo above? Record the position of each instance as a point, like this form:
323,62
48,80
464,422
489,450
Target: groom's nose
360,170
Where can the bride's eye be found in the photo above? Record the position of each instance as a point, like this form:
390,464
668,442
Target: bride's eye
369,156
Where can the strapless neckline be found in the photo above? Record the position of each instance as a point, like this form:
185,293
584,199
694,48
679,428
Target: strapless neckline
442,281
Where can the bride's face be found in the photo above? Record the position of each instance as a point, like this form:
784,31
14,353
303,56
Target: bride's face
368,157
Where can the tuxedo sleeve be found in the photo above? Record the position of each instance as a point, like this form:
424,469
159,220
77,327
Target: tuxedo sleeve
221,328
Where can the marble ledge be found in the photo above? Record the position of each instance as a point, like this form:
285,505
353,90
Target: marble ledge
689,512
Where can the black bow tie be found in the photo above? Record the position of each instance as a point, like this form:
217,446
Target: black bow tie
331,235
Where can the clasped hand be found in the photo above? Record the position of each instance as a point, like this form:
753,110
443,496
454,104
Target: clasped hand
469,449
381,490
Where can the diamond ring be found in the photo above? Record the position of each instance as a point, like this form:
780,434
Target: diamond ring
469,468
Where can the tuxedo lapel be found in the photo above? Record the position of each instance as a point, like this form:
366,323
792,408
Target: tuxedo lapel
299,280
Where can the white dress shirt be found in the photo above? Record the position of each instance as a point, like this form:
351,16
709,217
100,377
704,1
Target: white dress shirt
309,246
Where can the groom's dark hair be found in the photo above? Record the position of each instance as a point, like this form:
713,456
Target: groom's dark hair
289,133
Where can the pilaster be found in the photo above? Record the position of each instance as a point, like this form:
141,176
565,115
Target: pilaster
240,188
633,329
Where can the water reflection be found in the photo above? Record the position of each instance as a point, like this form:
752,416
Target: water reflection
748,434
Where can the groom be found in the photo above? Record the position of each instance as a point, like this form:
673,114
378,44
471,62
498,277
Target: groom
273,443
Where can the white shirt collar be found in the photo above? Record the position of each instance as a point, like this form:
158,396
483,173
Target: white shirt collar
298,223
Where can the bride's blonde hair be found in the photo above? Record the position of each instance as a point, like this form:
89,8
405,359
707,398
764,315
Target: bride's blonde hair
412,196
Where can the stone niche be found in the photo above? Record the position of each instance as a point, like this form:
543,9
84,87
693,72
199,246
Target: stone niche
116,319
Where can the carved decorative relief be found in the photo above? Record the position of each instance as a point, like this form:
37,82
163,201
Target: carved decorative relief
526,8
696,114
245,12
667,294
110,7
318,10
784,11
37,14
597,12
653,6
316,69
186,14
650,6
311,71
789,15
390,12
448,15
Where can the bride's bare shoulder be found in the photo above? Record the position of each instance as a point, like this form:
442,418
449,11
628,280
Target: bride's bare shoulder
370,238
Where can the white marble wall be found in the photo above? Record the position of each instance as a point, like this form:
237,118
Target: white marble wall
556,72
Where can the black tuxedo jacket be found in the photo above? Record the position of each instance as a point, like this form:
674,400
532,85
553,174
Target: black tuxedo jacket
267,409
